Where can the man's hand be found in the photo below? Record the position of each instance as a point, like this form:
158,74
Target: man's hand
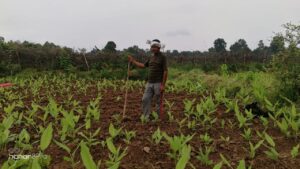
130,59
136,63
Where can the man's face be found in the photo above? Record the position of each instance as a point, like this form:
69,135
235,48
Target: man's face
155,49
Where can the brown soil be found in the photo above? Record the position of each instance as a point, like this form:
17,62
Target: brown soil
234,150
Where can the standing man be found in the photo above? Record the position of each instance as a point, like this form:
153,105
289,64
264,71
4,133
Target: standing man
157,77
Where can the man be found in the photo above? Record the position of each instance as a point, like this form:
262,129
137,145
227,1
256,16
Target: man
157,77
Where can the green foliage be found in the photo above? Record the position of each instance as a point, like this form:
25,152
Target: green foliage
203,156
224,70
157,136
185,156
110,47
64,62
129,135
240,46
286,63
114,132
115,156
295,151
220,45
277,44
253,148
206,138
46,137
5,135
86,157
177,143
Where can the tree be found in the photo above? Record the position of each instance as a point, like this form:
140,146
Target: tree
240,47
286,61
212,50
261,45
220,48
277,44
220,45
261,52
110,46
1,39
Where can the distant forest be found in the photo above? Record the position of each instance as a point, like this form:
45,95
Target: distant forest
16,56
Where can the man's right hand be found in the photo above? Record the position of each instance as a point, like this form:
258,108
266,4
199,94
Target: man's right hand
130,59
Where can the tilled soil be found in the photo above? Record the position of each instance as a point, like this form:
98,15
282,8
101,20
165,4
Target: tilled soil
237,148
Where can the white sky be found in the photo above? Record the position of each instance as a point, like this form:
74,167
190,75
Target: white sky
182,25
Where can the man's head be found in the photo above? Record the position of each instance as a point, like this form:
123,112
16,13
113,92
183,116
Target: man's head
155,46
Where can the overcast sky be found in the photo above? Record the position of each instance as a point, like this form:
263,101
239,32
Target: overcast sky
182,25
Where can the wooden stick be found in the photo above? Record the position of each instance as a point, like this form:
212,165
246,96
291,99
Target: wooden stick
126,92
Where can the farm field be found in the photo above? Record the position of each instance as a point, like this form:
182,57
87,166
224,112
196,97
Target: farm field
70,122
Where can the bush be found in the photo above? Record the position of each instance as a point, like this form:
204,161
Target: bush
287,68
9,69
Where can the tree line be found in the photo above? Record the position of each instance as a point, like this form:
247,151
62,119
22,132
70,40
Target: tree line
16,55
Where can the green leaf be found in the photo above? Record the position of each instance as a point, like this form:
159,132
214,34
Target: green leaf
295,151
225,160
63,146
86,157
269,140
111,146
46,137
185,157
35,163
241,165
219,165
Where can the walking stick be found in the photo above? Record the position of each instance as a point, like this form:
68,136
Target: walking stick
126,92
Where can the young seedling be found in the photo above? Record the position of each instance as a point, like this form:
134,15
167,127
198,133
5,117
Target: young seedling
264,121
225,161
71,157
128,136
117,118
225,139
23,140
240,117
206,139
188,107
90,138
157,136
144,119
52,108
170,116
247,134
114,132
68,123
295,151
169,108
203,156
176,143
115,156
271,152
253,148
155,116
181,123
191,124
